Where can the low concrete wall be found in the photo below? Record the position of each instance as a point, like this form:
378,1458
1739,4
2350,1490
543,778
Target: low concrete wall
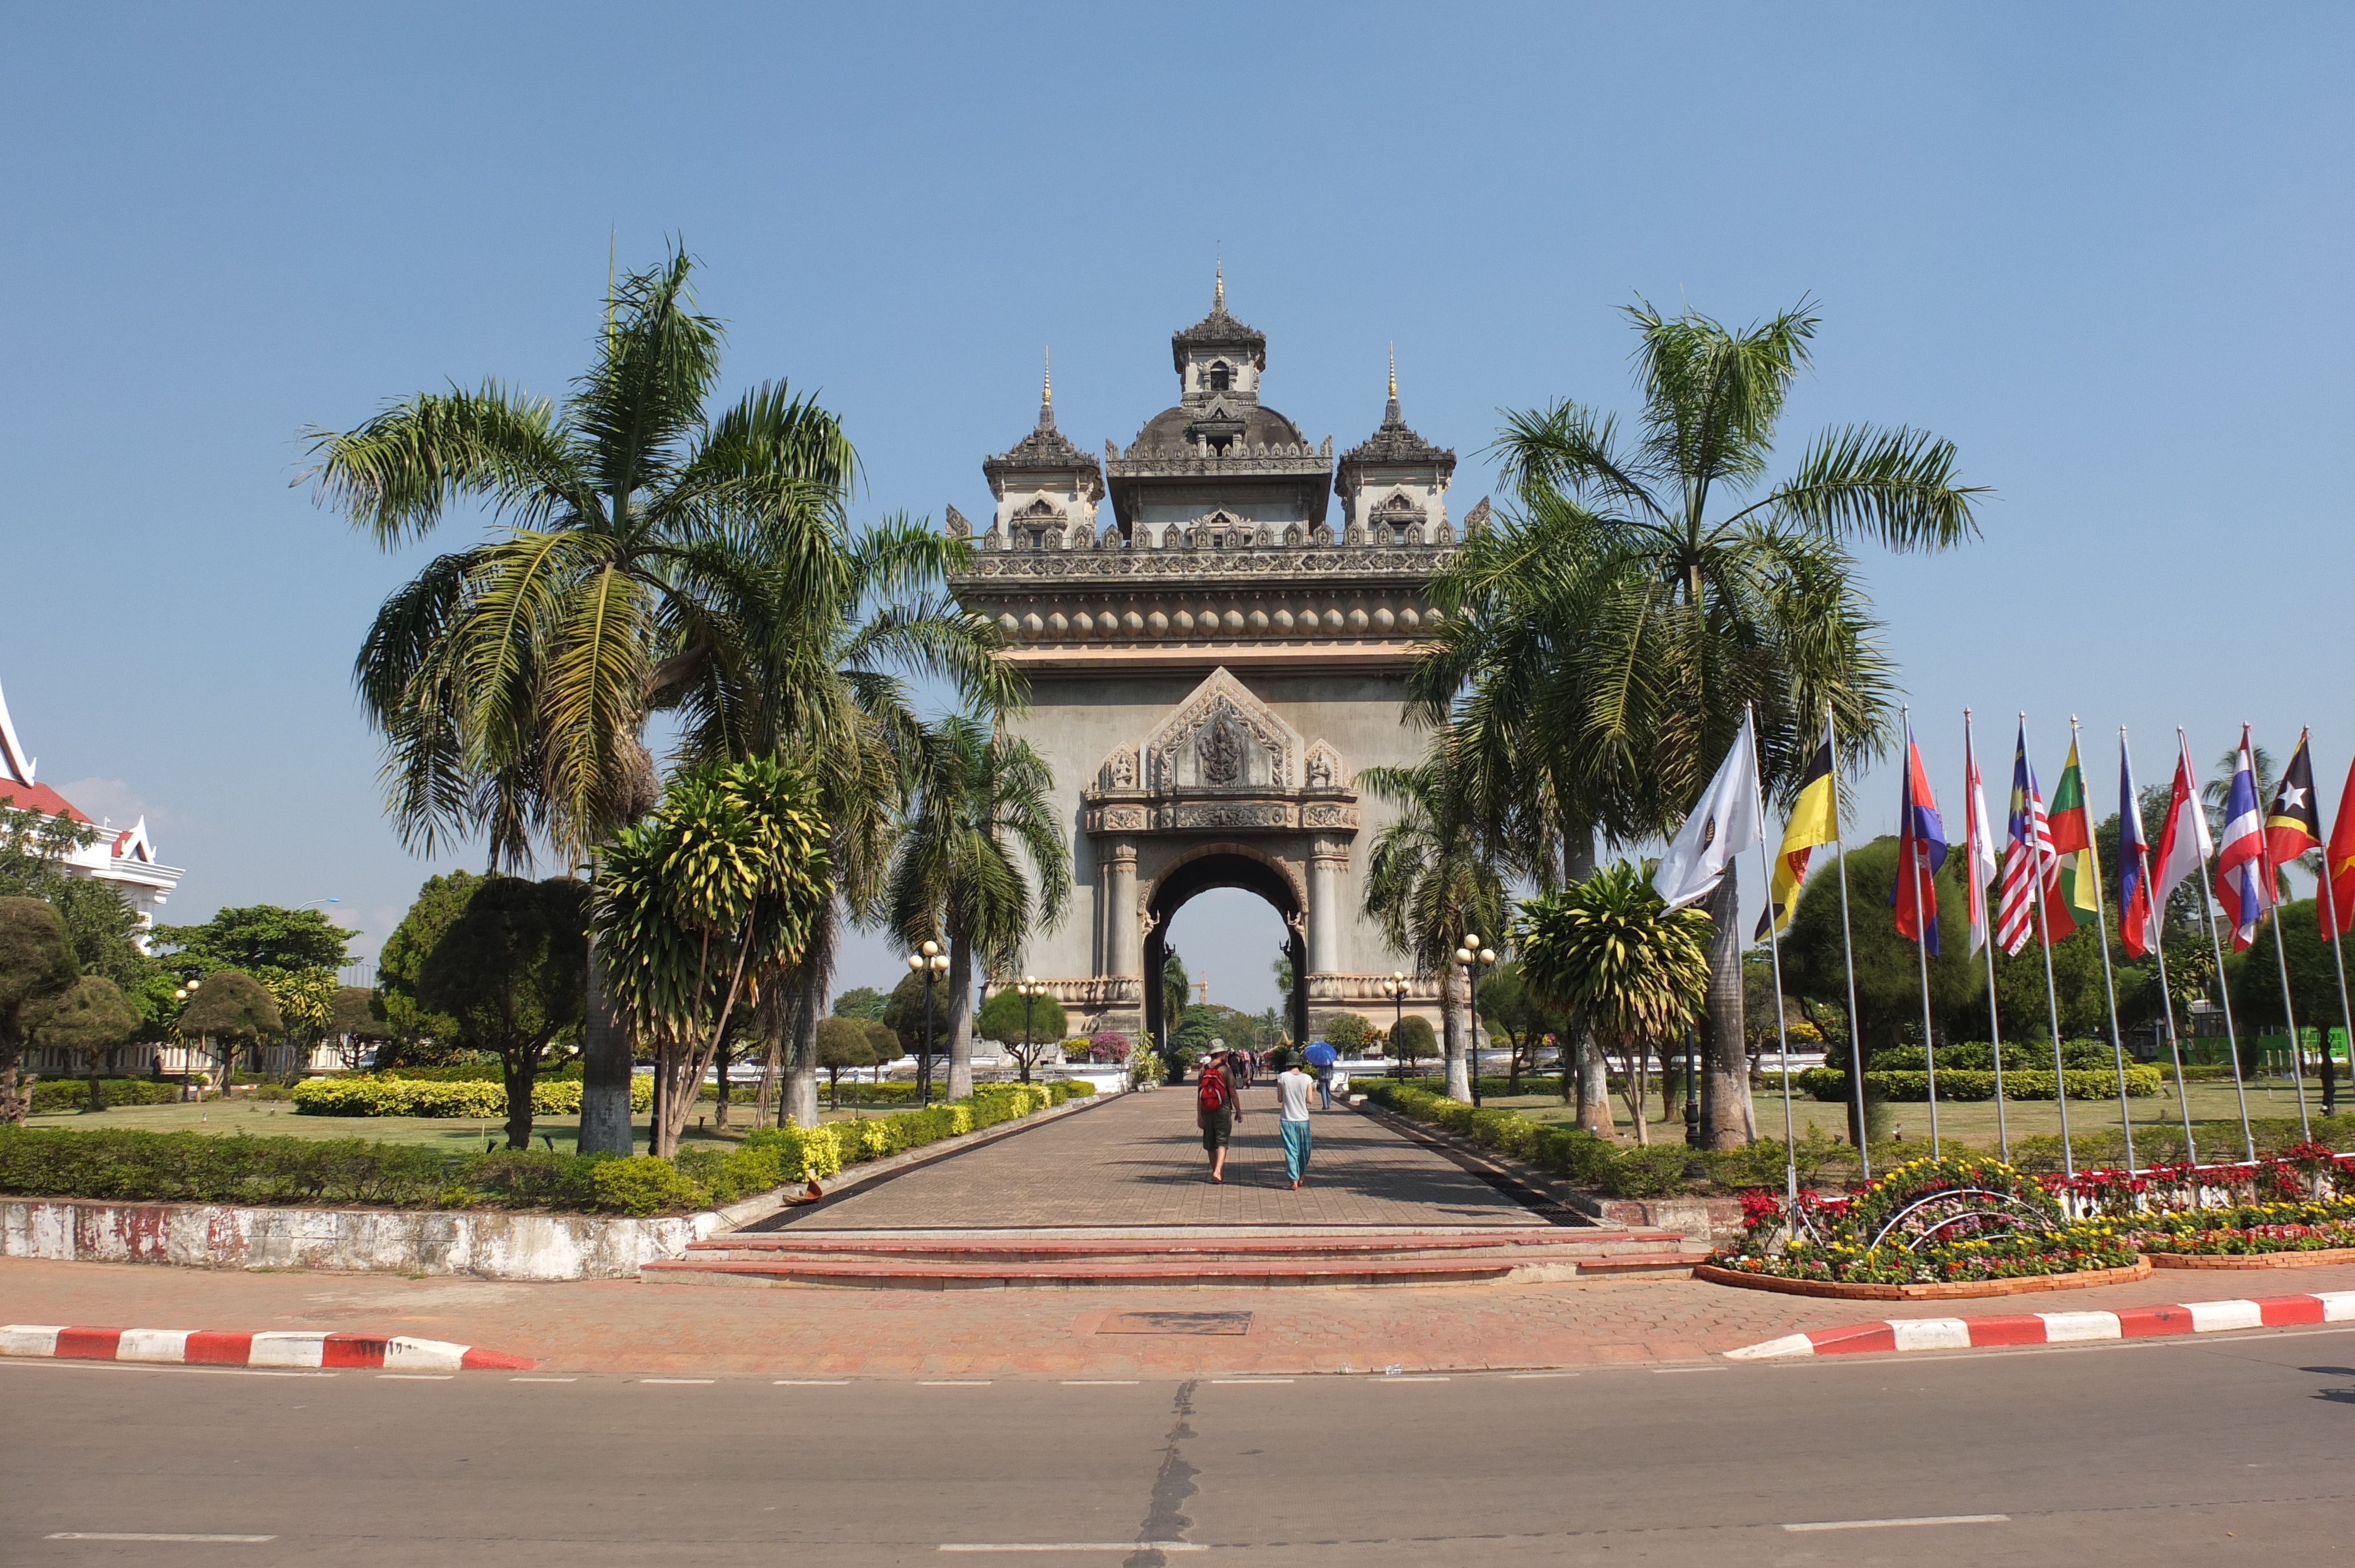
484,1243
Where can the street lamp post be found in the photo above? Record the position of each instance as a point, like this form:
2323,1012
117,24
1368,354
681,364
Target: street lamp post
1473,957
932,963
1395,988
181,994
1031,990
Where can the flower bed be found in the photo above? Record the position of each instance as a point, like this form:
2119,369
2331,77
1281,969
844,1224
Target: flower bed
1969,1222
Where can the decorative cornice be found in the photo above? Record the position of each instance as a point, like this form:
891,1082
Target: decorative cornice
1274,566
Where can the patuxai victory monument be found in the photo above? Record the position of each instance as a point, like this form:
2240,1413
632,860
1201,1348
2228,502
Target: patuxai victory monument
1212,660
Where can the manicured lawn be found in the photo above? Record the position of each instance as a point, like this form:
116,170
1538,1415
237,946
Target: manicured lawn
276,1118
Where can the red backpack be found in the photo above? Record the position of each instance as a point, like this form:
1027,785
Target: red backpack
1214,1094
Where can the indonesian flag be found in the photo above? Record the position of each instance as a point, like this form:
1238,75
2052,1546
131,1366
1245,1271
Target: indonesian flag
2184,846
1979,842
2138,915
2245,877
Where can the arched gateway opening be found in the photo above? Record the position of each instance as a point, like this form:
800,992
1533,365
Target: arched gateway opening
1225,865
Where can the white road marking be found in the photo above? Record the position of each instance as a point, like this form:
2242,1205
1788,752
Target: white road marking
1074,1546
679,1380
414,1377
1895,1523
135,1535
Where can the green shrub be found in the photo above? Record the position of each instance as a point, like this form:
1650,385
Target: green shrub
467,1097
1657,1171
644,1185
53,1096
1830,1084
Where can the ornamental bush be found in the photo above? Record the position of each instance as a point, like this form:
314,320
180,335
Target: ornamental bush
53,1095
469,1097
1830,1084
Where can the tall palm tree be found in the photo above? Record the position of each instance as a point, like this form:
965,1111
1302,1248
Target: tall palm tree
645,557
1431,880
1629,971
1601,648
981,809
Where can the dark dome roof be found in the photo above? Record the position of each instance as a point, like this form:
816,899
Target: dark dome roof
1262,425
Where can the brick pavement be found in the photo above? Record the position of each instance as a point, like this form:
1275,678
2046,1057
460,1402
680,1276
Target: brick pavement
612,1326
1138,1161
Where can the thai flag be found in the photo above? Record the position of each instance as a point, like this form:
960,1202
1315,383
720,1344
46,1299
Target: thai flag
2245,877
1921,850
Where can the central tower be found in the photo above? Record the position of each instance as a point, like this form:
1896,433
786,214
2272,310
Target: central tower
1211,665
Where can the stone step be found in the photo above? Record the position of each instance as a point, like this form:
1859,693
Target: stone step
909,1246
1660,1263
885,1275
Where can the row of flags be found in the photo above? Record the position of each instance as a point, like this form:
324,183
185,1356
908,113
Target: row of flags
2048,859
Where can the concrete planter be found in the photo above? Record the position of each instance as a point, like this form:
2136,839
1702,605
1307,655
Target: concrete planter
1702,1219
2323,1258
1953,1291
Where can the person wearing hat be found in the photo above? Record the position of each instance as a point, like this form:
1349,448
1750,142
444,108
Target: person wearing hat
1216,1107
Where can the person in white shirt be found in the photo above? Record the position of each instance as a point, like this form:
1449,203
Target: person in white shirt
1291,1086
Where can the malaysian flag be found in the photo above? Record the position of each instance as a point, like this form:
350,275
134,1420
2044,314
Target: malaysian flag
2028,854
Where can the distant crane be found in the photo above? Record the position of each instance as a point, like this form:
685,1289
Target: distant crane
1204,987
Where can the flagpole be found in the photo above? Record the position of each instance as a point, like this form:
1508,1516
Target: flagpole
1921,932
2109,985
2281,956
1774,955
2337,956
1848,955
2157,947
2044,941
1987,944
2216,946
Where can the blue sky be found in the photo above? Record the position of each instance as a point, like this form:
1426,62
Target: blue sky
2103,249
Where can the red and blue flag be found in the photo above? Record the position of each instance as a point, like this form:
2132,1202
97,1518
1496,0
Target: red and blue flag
1921,850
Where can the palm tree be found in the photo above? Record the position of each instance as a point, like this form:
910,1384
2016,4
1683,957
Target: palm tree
645,559
1598,651
1626,968
1431,880
981,809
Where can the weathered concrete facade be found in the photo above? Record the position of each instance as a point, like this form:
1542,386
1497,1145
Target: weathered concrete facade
1212,667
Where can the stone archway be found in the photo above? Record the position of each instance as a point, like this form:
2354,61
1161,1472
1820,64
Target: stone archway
1223,865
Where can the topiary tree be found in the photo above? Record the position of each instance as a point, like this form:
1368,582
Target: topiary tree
87,1021
1028,1026
904,1015
1350,1035
512,973
231,1010
36,963
846,1043
860,1002
420,1036
356,1019
1412,1041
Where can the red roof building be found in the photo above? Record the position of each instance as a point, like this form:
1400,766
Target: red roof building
123,857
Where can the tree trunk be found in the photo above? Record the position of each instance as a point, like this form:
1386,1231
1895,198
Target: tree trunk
1593,1087
520,1070
957,1013
800,1107
1451,1018
1725,1115
722,1060
604,1068
97,1095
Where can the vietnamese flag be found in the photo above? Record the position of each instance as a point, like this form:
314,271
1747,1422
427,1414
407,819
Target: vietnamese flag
1921,850
2337,890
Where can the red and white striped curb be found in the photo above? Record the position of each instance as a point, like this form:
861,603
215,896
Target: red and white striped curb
202,1347
2054,1327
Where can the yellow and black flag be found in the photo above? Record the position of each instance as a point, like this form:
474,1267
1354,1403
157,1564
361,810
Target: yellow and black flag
2294,824
1815,820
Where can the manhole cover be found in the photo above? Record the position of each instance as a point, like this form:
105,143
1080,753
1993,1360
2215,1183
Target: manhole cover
1177,1323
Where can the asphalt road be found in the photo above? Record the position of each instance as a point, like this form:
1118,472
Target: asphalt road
2207,1451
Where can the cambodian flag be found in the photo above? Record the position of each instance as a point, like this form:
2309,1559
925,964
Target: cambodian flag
2245,877
1921,850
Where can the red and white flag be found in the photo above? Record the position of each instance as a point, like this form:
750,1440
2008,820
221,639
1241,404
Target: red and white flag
2028,857
2184,846
1978,840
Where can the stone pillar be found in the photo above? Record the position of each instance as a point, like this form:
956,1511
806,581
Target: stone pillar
1122,955
1327,860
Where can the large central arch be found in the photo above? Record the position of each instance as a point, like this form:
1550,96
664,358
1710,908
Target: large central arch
1223,865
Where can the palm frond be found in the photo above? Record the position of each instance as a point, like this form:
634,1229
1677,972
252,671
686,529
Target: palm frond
398,473
1893,486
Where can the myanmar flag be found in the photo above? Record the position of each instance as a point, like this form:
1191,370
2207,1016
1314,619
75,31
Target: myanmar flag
2077,884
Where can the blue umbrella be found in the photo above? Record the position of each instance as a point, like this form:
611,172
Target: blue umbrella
1321,1054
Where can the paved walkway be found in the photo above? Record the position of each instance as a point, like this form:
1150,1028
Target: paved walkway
1138,1160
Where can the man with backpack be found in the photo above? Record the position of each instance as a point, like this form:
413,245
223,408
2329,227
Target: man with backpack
1215,1110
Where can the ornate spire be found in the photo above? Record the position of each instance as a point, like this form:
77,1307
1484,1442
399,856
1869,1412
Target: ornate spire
1392,416
1219,289
1047,394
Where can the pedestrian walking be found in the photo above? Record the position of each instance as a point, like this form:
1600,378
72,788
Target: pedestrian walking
1215,1110
1291,1087
1324,1088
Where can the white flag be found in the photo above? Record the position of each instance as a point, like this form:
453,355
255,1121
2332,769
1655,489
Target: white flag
1723,823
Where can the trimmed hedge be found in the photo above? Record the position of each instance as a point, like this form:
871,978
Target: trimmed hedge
446,1098
1830,1084
52,1096
197,1167
1615,1171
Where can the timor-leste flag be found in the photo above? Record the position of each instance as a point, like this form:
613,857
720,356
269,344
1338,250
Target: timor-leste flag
2293,822
2335,900
1815,820
2072,841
